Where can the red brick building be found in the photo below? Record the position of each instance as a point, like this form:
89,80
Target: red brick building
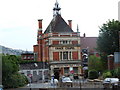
59,45
27,56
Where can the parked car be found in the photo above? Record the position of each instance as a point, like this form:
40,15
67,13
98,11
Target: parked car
110,82
66,81
1,87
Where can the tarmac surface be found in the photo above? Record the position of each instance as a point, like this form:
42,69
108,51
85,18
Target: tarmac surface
76,86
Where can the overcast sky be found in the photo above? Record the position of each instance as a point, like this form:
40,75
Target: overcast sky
18,18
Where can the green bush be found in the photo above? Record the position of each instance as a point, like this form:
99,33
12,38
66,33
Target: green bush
107,74
93,74
117,73
15,80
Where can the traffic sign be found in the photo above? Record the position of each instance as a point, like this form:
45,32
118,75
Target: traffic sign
30,75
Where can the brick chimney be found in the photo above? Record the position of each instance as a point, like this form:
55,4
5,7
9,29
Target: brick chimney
84,35
70,23
39,26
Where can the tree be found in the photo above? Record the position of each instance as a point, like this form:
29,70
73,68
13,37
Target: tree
10,76
9,65
108,40
95,63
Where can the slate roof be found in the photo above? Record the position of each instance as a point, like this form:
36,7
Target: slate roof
89,42
58,25
31,66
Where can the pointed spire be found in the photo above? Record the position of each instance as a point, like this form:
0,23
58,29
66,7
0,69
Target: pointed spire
50,29
56,9
77,28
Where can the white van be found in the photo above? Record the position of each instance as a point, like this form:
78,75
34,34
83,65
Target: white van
110,82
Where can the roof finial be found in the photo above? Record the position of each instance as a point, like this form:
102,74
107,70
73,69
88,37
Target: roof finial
56,9
50,29
77,28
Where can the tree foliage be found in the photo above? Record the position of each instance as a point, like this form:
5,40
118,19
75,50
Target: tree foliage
10,76
108,40
95,63
107,74
9,65
117,72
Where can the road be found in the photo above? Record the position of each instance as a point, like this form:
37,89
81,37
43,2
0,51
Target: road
40,85
76,86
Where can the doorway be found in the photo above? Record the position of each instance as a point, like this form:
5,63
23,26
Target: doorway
56,73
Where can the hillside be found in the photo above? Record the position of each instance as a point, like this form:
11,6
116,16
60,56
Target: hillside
10,51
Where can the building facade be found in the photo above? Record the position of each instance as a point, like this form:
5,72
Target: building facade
27,56
59,45
36,72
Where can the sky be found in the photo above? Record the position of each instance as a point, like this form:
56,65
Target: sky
19,18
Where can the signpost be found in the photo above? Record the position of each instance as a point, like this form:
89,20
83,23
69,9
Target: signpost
71,70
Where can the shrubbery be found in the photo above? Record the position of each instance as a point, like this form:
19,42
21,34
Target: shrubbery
15,80
107,74
112,73
117,71
93,74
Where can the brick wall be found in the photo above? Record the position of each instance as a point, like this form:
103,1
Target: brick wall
35,47
110,62
116,65
65,35
56,56
74,42
27,56
55,42
75,55
74,34
55,34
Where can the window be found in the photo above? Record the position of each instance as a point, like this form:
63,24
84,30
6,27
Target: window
75,69
24,57
32,57
40,75
28,57
66,70
34,73
65,55
65,42
28,73
70,55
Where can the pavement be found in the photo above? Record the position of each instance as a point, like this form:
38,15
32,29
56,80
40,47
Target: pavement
77,85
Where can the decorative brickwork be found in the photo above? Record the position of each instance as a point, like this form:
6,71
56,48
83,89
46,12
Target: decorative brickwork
59,45
55,42
56,56
75,55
